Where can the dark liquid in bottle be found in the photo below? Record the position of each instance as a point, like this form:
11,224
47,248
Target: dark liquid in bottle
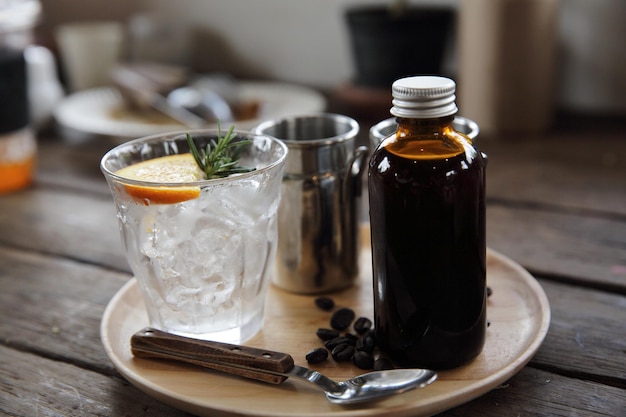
427,218
13,90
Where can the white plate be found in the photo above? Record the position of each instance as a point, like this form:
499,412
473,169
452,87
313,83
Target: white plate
518,311
93,112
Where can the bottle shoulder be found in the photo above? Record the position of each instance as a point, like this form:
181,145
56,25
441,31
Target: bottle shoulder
444,144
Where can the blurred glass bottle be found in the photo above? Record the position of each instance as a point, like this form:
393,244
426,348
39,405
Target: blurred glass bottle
18,148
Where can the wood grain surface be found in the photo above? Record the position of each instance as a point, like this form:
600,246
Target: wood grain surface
556,204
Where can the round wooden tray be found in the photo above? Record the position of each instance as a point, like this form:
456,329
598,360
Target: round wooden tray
518,311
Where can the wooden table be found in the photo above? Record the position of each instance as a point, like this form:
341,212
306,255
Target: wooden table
556,205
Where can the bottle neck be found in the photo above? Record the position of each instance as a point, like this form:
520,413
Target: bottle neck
418,127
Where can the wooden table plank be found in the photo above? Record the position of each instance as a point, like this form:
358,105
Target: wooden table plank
66,390
68,224
571,171
537,393
74,166
587,249
34,386
54,306
520,173
587,334
575,171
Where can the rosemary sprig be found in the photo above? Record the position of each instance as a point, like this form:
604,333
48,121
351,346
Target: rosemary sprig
220,158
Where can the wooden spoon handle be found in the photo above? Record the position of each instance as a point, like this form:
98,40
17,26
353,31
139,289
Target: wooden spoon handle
260,364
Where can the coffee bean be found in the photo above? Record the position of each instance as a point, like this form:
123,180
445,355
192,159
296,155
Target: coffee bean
352,337
366,344
362,324
363,360
370,333
327,334
358,348
317,355
382,364
342,318
489,292
343,352
341,340
325,303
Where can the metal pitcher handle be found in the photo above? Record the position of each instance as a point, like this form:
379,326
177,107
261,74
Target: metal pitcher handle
352,190
352,181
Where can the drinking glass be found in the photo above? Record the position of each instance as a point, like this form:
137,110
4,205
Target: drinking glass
202,264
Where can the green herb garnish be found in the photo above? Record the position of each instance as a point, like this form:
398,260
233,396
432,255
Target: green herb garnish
220,158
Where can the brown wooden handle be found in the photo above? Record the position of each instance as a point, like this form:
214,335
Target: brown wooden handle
260,364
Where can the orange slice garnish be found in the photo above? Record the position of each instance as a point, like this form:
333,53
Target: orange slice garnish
166,169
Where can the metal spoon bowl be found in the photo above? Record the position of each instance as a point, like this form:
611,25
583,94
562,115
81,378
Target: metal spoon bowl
369,386
275,367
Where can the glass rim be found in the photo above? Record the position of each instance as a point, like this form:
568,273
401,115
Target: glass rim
199,183
350,134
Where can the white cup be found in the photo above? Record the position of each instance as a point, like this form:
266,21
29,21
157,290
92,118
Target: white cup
44,88
88,51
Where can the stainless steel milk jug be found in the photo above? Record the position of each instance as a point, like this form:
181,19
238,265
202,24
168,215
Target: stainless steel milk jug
318,230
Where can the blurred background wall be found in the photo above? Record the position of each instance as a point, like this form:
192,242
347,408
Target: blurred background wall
307,42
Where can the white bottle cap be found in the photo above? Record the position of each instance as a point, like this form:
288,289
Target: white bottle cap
423,97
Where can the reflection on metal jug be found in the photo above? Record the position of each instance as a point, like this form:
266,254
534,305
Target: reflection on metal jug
318,233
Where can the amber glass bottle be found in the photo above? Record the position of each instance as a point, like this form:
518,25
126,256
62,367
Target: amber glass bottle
427,216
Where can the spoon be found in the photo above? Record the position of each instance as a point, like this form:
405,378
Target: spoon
274,367
140,85
206,104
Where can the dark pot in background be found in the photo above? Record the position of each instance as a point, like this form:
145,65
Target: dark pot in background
387,46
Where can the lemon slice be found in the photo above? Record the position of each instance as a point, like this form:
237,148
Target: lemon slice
166,169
